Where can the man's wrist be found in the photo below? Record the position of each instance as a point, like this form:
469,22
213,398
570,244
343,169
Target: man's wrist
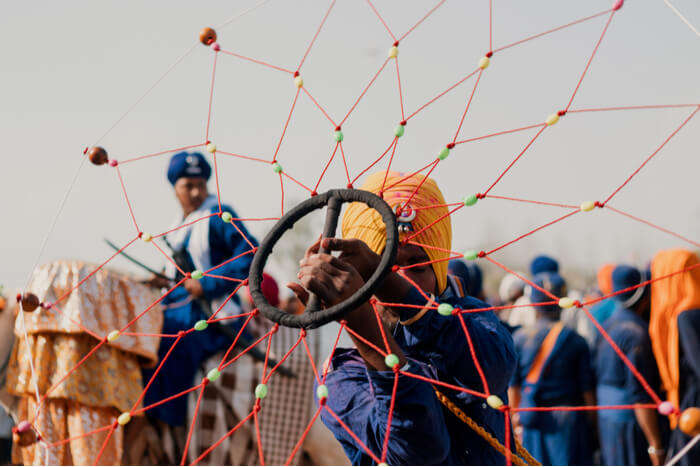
656,451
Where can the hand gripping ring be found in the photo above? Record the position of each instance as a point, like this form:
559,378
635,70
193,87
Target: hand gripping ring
312,316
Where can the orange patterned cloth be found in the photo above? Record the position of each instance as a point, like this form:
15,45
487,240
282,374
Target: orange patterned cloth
105,384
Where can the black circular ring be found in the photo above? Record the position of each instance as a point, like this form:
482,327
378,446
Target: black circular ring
310,320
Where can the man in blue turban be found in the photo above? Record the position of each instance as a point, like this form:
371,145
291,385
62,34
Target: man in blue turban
543,263
554,369
203,234
628,437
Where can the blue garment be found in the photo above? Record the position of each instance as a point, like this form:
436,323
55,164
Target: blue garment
188,164
602,310
622,441
689,387
177,373
555,438
423,432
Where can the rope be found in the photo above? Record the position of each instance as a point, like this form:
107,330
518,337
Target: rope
521,458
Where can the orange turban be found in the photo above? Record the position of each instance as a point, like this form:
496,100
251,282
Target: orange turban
669,298
605,284
364,223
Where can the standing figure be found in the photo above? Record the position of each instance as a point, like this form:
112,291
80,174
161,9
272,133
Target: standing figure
554,369
628,437
675,336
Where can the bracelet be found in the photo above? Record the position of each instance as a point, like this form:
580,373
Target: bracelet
655,451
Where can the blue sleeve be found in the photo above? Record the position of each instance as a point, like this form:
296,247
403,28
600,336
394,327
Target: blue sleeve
689,330
518,341
443,337
226,242
585,375
418,430
638,351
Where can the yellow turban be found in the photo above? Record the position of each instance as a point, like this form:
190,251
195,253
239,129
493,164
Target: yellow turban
364,223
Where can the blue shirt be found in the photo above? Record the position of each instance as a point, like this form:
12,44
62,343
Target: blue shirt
423,432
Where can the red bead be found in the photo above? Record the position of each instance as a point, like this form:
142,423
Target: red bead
207,36
30,302
689,423
23,434
98,155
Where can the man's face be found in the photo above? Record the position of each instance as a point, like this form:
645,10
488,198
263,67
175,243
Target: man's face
191,193
423,275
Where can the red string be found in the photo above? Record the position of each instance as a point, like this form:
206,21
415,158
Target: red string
398,78
216,178
477,138
364,91
274,368
472,351
382,20
555,221
104,444
584,408
432,10
696,244
184,225
211,97
257,435
393,142
155,373
259,62
303,436
193,422
352,435
506,414
286,124
250,158
443,93
345,164
390,416
159,153
326,167
632,107
318,106
569,206
323,21
447,385
126,197
469,103
223,438
297,182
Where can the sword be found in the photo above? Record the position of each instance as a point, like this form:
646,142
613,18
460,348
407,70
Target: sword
137,262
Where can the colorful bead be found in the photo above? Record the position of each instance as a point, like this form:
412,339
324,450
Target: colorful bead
261,391
277,168
470,200
445,309
338,136
587,206
146,237
211,147
299,81
226,216
213,374
30,302
665,408
552,119
444,152
689,422
618,4
113,336
399,130
566,302
98,155
494,402
197,274
322,391
391,360
207,36
124,418
113,163
215,46
393,52
484,62
201,325
471,255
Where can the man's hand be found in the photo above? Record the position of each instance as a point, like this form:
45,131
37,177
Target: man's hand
194,287
355,252
158,282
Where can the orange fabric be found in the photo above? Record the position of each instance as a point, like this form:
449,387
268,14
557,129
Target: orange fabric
669,298
605,278
543,354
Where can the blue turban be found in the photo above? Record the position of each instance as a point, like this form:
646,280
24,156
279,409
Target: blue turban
543,263
624,277
188,164
553,283
469,273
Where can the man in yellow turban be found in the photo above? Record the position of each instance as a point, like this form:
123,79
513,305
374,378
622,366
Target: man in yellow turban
415,339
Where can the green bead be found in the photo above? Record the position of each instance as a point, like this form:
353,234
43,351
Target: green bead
201,325
261,391
322,391
399,131
277,168
470,200
226,216
445,309
338,136
443,154
471,255
213,374
197,274
391,360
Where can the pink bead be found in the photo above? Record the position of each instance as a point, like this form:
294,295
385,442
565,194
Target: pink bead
665,408
113,163
618,4
215,46
23,426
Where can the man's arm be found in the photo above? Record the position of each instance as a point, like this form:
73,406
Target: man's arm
649,422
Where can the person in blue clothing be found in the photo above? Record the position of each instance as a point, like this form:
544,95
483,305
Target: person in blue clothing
628,437
470,275
554,369
543,263
209,242
421,340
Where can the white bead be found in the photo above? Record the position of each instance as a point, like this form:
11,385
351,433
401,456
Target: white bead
484,62
587,206
552,119
113,336
211,147
393,52
298,81
566,302
494,402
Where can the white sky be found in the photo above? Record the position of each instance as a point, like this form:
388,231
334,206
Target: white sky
69,70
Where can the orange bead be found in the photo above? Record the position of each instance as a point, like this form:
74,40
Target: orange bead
207,36
23,434
98,155
3,303
30,302
689,422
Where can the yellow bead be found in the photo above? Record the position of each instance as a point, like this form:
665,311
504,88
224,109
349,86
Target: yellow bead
113,336
566,302
587,206
146,237
393,52
494,402
484,62
298,81
552,119
211,147
124,418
